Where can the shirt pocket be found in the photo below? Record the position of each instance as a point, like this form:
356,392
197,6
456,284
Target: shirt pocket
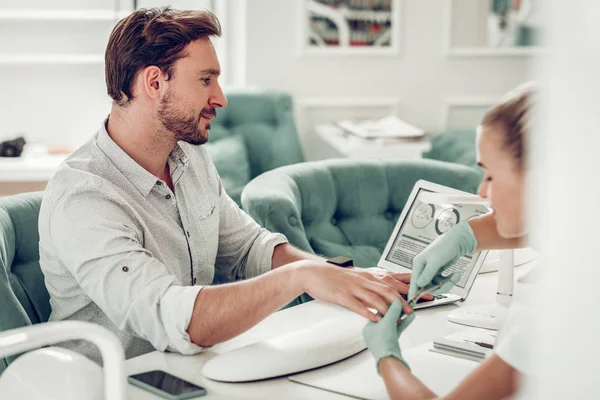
207,224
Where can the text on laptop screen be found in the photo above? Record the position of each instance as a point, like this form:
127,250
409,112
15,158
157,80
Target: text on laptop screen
424,222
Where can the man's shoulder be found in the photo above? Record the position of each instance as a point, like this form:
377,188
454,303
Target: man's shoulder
85,172
85,167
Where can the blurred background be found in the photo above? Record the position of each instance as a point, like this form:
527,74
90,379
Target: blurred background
435,64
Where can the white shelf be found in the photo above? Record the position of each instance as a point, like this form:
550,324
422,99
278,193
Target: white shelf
495,52
379,16
50,59
61,15
32,168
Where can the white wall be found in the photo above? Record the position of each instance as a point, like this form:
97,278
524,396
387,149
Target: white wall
421,79
58,104
64,104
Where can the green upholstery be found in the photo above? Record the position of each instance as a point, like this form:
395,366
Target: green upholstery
344,207
24,299
454,146
263,121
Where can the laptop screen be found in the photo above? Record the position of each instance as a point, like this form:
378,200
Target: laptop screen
424,222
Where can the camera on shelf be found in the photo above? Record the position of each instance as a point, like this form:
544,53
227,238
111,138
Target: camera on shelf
12,148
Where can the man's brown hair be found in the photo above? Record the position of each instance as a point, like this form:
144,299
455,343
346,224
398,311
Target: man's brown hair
153,36
512,115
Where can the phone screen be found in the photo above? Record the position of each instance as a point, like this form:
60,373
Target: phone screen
167,382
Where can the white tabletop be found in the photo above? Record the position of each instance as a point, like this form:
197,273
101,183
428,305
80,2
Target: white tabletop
430,324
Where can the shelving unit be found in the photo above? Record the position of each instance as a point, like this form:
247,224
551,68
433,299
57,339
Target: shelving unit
51,59
42,37
61,15
66,16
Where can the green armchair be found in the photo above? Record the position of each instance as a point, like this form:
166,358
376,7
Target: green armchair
344,207
24,299
253,134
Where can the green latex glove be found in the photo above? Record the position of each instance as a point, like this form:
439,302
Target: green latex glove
441,254
382,337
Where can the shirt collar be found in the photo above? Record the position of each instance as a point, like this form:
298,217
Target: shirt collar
139,177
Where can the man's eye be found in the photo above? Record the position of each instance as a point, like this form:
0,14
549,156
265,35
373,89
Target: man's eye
206,81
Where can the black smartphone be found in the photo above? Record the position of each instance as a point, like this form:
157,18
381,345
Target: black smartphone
166,385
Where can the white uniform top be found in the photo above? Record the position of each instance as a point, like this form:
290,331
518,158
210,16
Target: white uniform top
513,341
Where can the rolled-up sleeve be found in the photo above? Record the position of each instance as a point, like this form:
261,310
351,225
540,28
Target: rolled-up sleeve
245,249
96,238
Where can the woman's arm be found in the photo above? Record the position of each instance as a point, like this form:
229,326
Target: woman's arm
401,383
488,238
494,379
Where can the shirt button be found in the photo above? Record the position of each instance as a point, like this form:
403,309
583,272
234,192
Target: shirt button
168,197
188,233
194,280
158,183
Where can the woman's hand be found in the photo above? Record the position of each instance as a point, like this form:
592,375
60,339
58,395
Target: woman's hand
441,254
382,337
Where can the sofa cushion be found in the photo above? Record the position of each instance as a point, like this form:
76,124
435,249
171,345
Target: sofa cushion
265,119
454,146
230,156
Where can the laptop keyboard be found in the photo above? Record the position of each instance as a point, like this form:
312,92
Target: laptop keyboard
435,297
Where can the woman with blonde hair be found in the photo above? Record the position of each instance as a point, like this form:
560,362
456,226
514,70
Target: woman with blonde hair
501,150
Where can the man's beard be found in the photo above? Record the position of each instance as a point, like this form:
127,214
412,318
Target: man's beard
184,127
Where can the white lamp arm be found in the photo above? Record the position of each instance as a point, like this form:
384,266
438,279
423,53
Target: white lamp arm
18,340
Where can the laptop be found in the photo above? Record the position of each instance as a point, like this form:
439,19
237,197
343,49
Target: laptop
420,224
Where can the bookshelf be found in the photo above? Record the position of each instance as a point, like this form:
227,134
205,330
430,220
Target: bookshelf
81,33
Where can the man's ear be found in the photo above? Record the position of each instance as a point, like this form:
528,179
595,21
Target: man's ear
153,82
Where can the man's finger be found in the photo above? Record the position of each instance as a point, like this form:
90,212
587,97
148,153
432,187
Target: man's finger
406,308
361,309
394,312
383,290
400,286
401,276
372,300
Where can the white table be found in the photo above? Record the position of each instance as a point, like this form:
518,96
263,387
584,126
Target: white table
352,146
30,172
430,324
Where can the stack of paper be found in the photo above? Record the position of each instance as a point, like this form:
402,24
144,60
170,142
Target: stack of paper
471,344
390,127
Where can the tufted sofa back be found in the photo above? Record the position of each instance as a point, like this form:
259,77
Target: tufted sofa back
344,207
255,133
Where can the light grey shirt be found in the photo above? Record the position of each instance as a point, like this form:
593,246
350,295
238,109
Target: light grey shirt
120,249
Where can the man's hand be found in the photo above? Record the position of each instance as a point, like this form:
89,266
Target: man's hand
399,281
353,288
